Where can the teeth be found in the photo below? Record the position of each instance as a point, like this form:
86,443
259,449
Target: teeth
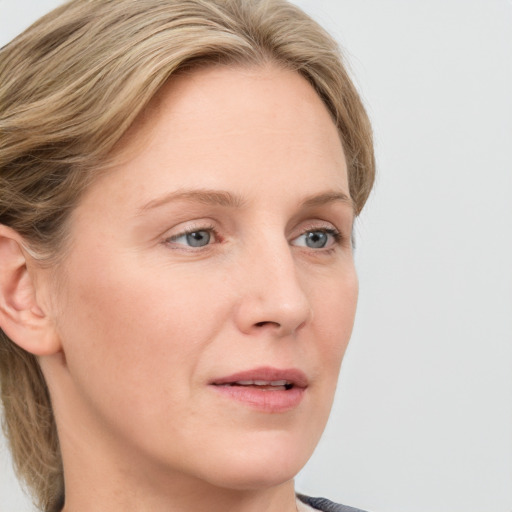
261,383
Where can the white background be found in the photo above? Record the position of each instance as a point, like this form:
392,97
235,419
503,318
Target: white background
423,417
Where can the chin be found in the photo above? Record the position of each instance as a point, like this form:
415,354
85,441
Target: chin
252,479
262,464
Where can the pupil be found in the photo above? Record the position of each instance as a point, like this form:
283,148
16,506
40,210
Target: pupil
198,238
316,239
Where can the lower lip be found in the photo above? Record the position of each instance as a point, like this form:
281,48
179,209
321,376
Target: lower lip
263,400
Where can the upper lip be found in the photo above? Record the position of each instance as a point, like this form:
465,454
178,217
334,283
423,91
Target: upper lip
292,376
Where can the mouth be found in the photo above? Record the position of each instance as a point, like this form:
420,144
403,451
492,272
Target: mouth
265,389
266,378
263,385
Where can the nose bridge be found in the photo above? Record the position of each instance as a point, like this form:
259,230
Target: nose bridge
272,295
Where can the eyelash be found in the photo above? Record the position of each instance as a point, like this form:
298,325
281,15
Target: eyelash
337,236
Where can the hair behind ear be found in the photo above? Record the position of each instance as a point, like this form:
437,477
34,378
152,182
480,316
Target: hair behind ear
29,425
28,420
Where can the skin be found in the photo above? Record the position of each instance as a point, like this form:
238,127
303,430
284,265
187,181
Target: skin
142,323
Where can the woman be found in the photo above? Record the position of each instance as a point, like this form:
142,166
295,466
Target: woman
179,184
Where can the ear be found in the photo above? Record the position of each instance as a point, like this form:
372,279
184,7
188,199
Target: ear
22,319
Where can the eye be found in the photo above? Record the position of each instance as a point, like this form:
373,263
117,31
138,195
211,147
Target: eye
317,239
197,238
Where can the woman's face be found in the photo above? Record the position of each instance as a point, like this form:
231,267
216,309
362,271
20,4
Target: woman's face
210,291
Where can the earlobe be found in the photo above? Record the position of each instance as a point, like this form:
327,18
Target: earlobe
22,318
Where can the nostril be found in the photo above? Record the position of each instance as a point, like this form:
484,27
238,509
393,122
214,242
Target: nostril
262,324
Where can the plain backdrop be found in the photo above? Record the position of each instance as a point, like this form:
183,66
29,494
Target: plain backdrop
423,417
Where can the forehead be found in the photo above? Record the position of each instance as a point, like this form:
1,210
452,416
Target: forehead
220,126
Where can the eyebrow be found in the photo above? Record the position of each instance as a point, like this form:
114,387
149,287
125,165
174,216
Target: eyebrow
204,196
327,197
230,200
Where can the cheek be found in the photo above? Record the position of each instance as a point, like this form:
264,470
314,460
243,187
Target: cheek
333,318
127,330
335,304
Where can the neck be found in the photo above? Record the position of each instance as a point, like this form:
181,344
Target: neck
177,496
100,480
107,478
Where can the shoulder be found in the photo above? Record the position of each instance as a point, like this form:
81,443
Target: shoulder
326,505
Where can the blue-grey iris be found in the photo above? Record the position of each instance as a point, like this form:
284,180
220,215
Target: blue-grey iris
198,238
316,239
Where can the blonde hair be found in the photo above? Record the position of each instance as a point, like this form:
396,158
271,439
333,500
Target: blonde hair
71,86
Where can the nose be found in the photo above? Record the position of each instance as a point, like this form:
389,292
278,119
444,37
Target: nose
271,298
